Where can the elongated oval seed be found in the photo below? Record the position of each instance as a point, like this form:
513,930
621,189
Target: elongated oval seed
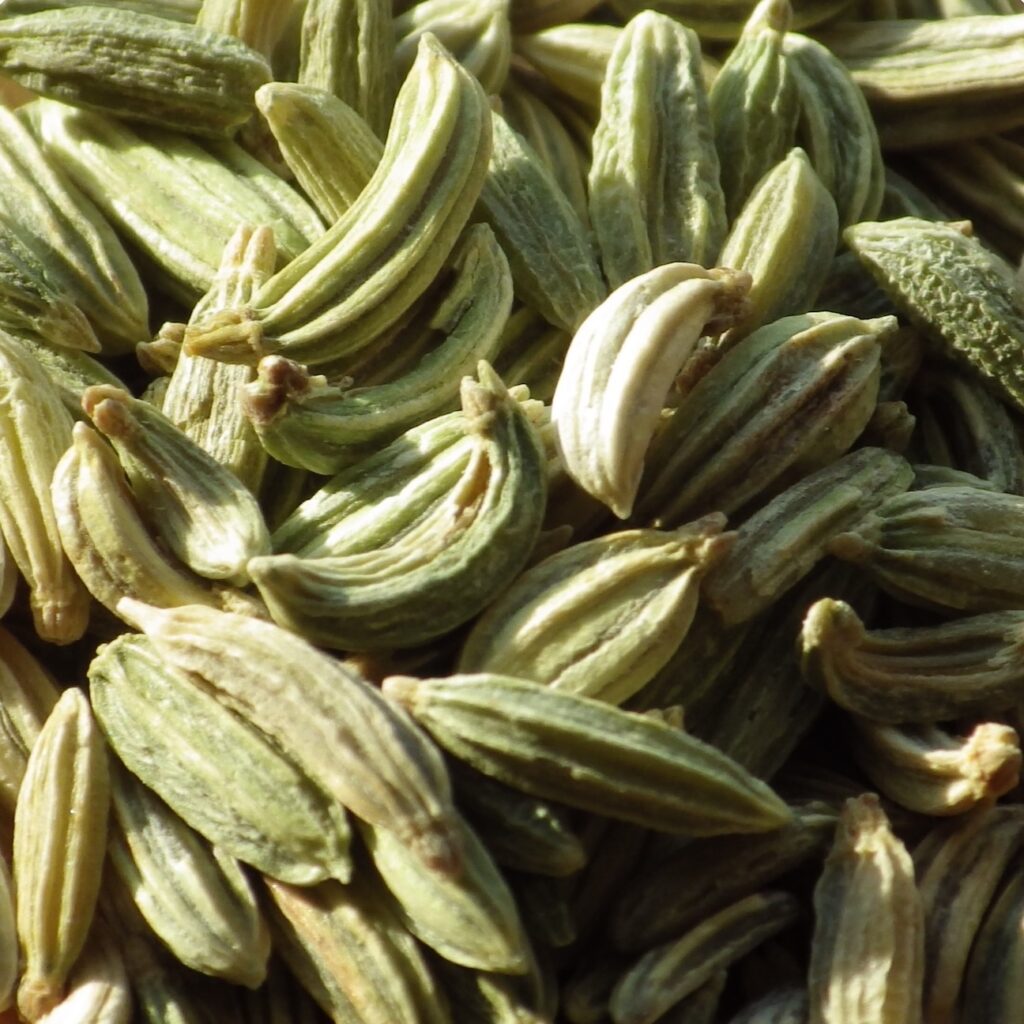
378,259
620,368
957,292
104,536
588,754
136,66
655,196
183,744
35,429
362,749
914,673
784,237
349,948
868,947
471,919
206,515
782,541
602,617
197,899
60,830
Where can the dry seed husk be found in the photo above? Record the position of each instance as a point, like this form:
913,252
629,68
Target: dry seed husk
755,104
960,295
783,540
39,202
913,62
104,536
135,66
953,545
329,148
182,743
28,694
98,991
398,349
599,618
573,57
867,954
195,897
655,196
536,118
361,748
36,430
836,129
549,251
372,501
621,365
784,236
477,32
705,655
173,10
258,23
409,589
469,918
588,754
202,395
70,370
207,517
788,399
347,946
60,830
155,185
346,50
32,305
914,673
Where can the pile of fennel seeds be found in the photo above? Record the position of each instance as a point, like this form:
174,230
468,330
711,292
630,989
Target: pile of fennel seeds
512,511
